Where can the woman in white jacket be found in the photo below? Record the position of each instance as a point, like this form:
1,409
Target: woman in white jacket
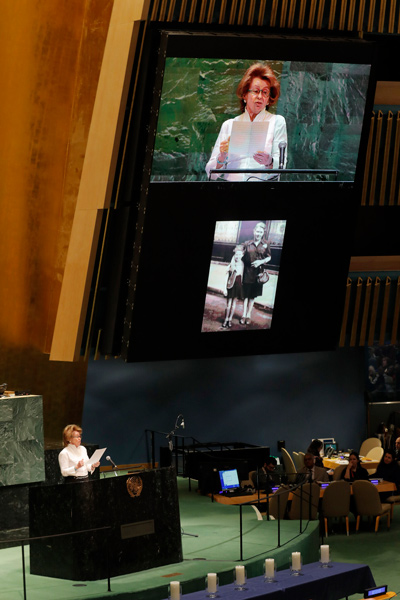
257,91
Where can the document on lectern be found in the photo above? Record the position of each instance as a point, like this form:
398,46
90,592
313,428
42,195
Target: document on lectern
96,456
247,138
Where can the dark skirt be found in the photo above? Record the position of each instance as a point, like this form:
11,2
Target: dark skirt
237,290
252,290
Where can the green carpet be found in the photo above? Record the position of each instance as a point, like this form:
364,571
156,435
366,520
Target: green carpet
216,549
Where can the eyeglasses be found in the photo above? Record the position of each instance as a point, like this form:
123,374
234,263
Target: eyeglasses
265,93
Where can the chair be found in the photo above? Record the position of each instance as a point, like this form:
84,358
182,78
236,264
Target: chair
375,453
278,502
368,444
392,500
336,503
368,503
288,463
253,478
337,473
298,461
300,507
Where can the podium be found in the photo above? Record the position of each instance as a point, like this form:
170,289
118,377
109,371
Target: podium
136,518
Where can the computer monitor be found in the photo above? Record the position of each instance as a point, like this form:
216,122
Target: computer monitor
229,480
330,448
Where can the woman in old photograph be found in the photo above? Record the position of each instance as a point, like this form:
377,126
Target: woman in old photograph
257,253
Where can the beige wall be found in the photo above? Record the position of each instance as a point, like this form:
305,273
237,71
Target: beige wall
51,58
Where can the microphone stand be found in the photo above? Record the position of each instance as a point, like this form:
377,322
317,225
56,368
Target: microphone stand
170,437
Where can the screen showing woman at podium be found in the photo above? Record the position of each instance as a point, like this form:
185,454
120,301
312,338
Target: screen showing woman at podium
73,459
256,139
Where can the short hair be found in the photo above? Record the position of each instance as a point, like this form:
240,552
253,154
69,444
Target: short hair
67,433
263,71
271,460
388,451
310,454
263,225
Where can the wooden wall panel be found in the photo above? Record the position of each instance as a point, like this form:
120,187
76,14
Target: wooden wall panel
49,82
51,59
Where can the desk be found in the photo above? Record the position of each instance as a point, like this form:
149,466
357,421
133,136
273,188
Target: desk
333,463
383,486
339,581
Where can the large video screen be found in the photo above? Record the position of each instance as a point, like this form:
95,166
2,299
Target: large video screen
302,112
226,274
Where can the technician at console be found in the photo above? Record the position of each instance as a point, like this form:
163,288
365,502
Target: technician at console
74,460
257,91
265,479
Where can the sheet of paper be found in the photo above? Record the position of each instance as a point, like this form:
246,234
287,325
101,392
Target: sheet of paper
96,456
246,139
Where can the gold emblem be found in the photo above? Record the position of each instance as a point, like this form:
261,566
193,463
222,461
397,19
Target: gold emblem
134,485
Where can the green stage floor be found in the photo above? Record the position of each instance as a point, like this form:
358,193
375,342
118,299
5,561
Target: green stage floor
216,548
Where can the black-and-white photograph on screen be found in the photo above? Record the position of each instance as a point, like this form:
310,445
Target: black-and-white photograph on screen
243,275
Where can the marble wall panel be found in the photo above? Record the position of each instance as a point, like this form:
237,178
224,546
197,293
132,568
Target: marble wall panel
21,440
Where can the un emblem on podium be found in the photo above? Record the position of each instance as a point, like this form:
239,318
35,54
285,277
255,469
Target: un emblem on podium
134,485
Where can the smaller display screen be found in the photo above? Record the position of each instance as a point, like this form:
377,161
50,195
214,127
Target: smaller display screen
330,448
229,480
373,592
243,275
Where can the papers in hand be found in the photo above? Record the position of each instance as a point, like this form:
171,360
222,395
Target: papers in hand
246,139
96,456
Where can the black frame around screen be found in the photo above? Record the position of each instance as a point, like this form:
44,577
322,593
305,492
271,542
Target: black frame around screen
209,44
175,254
161,235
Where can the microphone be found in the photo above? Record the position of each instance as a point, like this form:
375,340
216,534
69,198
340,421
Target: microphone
282,149
183,423
112,462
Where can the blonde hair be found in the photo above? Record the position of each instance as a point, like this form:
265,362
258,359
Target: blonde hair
67,433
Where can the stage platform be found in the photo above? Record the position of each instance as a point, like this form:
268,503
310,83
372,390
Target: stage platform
211,543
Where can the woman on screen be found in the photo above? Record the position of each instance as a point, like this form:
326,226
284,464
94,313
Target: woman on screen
256,254
257,91
74,460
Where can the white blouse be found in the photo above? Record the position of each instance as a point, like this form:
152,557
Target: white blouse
276,134
69,458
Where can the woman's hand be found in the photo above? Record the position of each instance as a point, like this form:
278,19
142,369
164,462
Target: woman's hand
223,153
263,158
257,263
224,146
97,464
80,464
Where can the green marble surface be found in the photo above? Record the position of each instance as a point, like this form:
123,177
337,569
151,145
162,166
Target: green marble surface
323,104
21,440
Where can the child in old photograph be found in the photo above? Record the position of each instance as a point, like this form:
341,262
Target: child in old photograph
234,284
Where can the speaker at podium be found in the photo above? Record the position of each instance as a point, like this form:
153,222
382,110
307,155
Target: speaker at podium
114,526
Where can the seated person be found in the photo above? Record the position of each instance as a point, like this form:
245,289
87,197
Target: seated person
310,471
397,449
315,449
354,471
265,478
388,470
